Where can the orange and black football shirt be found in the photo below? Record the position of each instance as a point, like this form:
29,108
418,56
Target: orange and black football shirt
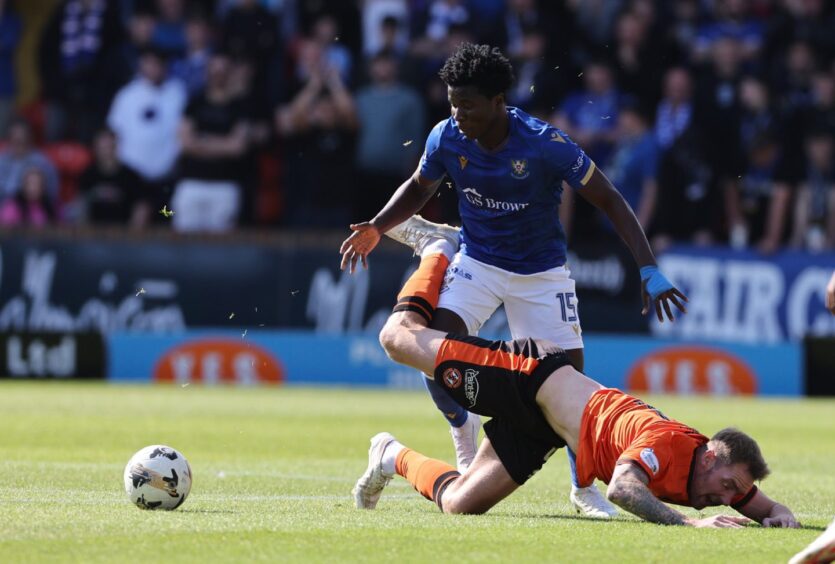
618,428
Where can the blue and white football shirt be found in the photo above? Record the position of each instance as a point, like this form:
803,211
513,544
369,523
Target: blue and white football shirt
508,198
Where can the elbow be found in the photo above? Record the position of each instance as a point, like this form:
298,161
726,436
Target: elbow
616,492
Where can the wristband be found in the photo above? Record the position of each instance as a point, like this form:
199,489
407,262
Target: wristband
657,283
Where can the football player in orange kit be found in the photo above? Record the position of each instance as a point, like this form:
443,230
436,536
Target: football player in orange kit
538,403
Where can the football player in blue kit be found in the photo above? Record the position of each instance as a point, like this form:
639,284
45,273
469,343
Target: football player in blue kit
509,169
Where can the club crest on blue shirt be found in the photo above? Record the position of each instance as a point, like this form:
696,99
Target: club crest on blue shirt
519,168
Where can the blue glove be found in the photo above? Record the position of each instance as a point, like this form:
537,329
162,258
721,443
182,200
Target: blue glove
657,283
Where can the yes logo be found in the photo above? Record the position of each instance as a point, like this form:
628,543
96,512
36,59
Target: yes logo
219,360
691,370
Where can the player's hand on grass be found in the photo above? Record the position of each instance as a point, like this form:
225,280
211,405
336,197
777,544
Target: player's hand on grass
830,294
782,521
659,292
719,522
362,241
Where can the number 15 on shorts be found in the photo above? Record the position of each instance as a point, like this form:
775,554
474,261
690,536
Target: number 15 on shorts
568,306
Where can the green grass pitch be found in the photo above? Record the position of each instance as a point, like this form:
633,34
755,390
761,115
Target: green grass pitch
273,470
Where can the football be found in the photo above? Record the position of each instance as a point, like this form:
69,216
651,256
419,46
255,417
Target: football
158,477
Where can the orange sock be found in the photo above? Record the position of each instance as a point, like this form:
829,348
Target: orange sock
421,291
430,477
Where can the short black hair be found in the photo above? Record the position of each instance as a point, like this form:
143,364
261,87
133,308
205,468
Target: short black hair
481,66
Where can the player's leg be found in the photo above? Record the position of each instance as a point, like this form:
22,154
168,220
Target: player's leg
545,306
506,459
466,303
495,378
480,487
484,484
405,337
470,295
464,427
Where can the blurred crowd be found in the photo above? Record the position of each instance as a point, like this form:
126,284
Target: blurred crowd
715,118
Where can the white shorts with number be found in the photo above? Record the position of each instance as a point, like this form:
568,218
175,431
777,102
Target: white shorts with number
541,305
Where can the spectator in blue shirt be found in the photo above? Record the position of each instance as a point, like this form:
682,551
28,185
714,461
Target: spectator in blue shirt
392,121
590,116
18,157
170,30
192,67
732,22
634,164
675,109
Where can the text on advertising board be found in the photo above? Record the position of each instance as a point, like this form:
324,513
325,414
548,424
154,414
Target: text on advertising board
691,370
213,361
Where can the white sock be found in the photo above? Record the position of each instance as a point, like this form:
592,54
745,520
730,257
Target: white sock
390,457
440,245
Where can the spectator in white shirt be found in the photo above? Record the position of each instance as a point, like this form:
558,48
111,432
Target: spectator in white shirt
145,116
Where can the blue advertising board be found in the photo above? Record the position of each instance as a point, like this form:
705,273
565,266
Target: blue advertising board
224,356
746,297
633,363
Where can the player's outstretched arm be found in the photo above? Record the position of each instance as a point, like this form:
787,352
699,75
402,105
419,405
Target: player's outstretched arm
830,294
657,291
405,202
768,512
628,489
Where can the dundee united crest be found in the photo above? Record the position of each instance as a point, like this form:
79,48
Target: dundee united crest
452,378
519,168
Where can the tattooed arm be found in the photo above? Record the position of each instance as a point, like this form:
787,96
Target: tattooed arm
628,489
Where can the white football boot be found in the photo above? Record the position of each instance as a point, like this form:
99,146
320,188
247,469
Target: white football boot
417,232
370,486
820,551
465,439
591,503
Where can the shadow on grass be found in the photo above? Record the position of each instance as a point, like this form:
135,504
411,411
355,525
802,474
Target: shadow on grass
812,528
229,511
621,521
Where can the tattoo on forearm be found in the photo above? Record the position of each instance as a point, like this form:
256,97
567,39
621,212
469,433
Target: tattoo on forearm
637,499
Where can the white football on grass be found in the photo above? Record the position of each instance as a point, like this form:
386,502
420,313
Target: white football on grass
158,477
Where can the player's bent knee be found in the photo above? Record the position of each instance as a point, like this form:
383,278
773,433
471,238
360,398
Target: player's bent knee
394,336
456,505
461,501
388,340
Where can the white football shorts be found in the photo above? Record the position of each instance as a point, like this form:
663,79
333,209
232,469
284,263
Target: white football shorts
541,305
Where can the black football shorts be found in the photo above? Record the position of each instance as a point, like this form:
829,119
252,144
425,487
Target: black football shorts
500,379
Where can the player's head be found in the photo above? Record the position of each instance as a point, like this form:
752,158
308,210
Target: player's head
477,77
727,470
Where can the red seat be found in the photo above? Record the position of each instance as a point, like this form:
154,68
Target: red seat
35,114
71,159
269,204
